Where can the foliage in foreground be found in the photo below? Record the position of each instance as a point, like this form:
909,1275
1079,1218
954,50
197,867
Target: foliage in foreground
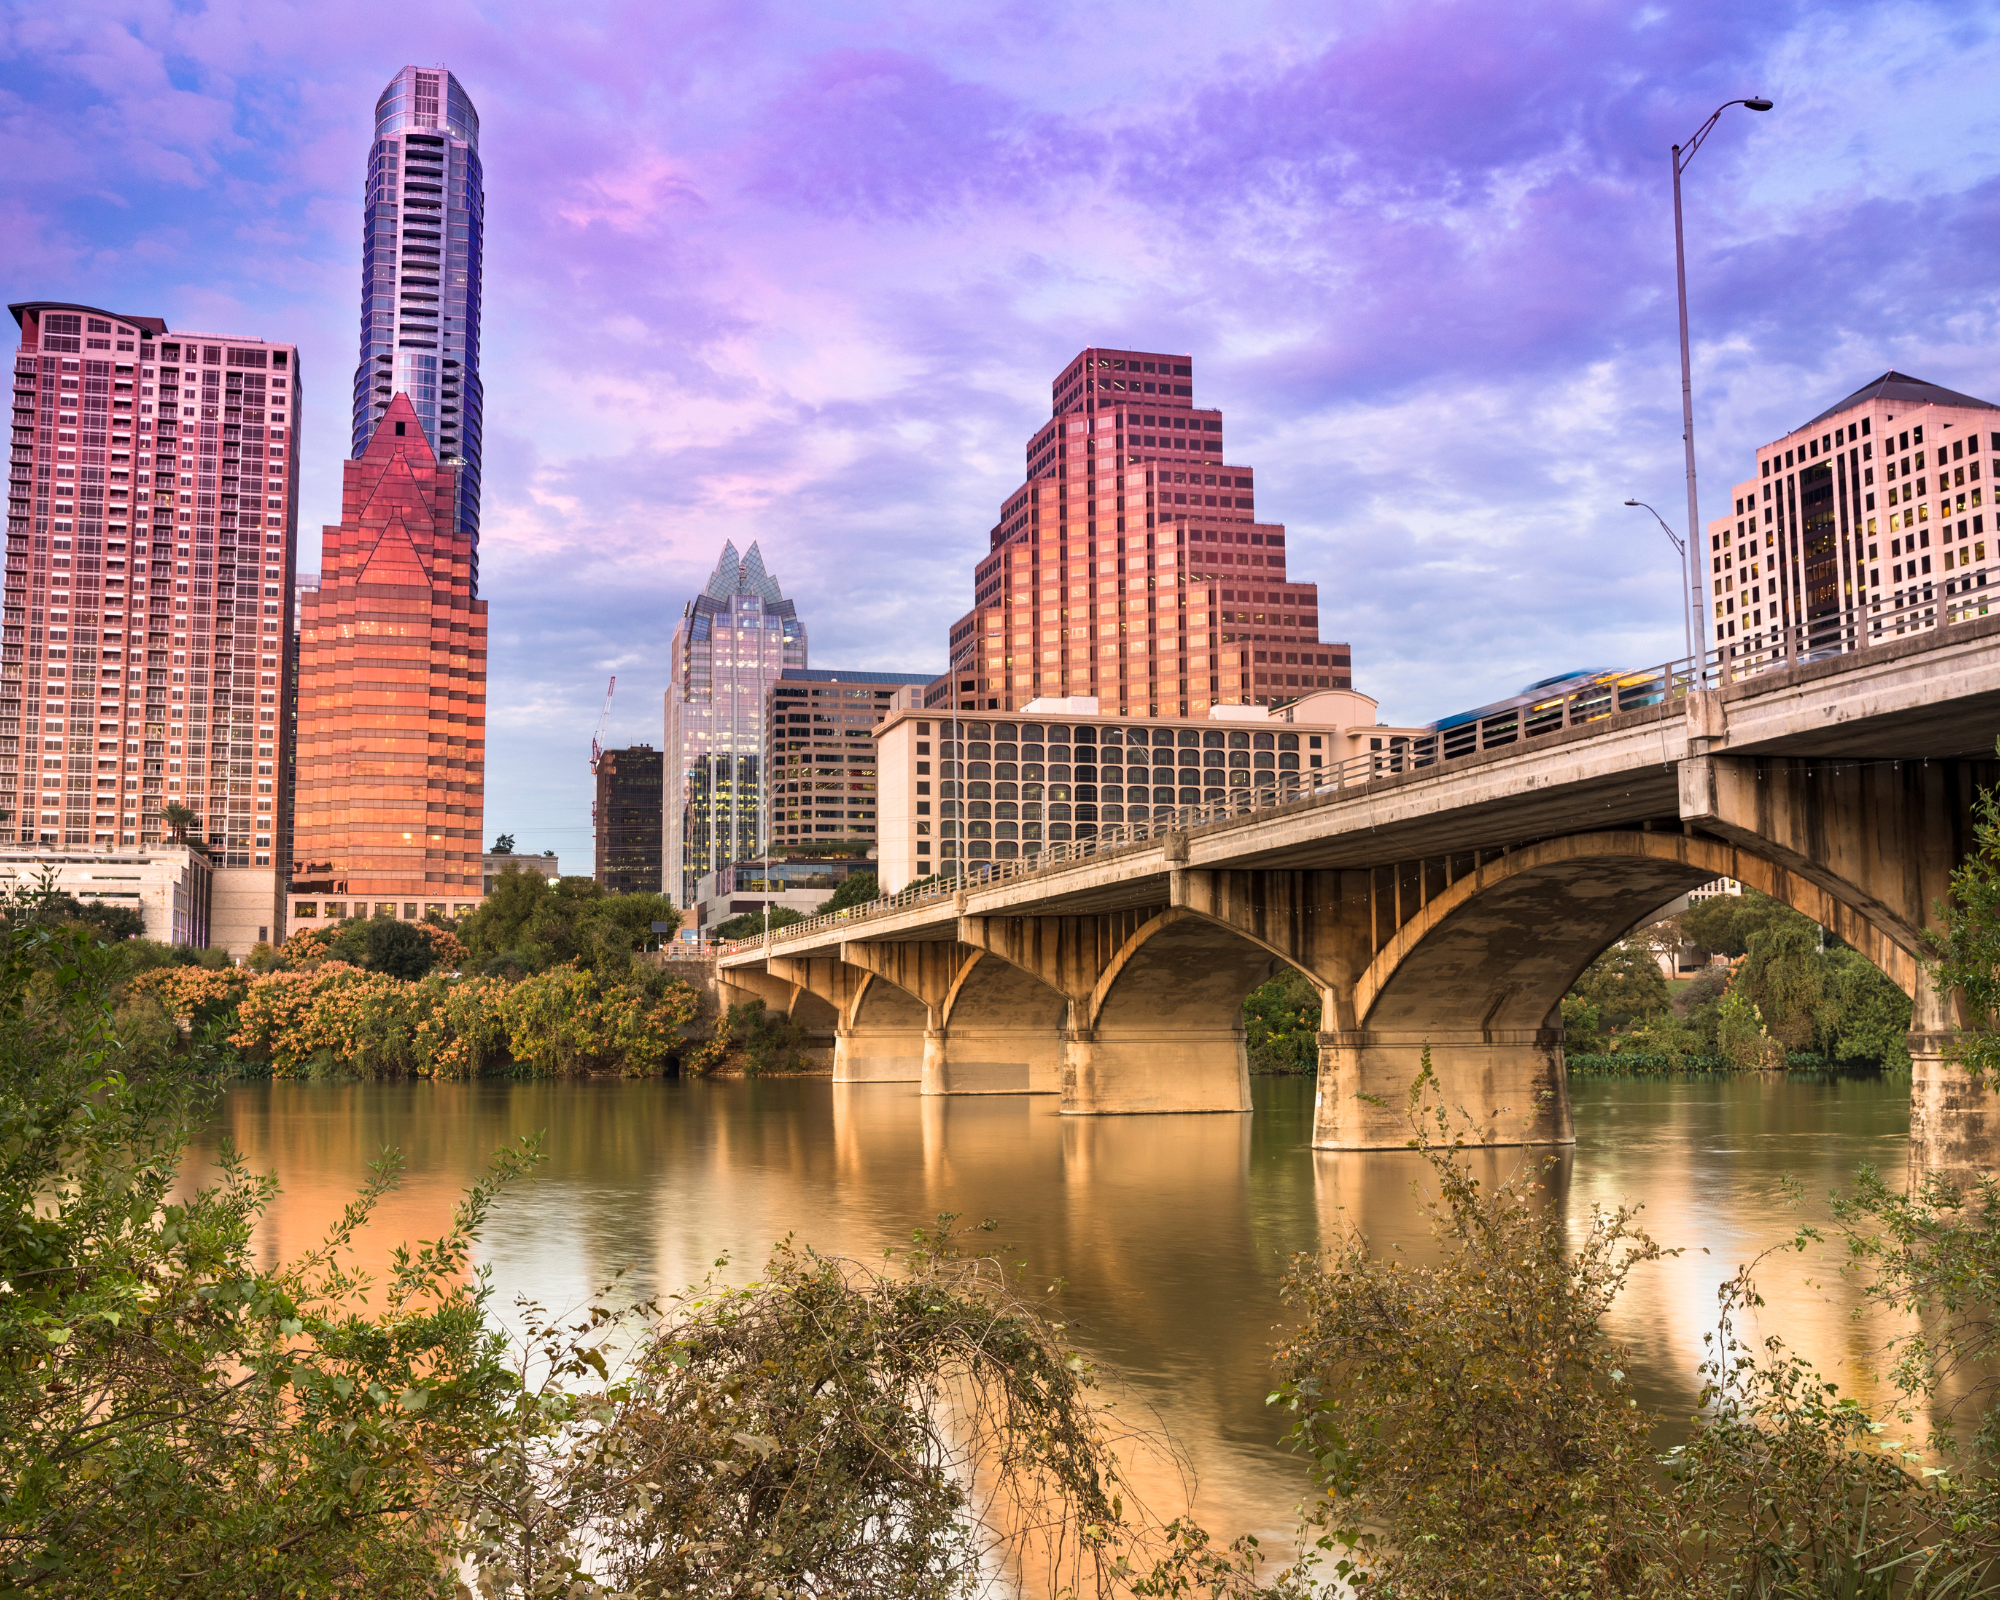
1470,1425
1964,948
833,1429
176,1418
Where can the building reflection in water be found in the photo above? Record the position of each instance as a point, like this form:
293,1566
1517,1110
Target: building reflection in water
1169,1234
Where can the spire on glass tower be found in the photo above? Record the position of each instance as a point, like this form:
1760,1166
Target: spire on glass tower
420,275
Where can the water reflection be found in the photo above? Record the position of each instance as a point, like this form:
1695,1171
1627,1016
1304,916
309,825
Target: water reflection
1171,1233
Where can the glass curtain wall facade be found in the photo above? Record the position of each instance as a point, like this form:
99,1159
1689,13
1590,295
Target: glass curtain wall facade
1868,521
1130,564
821,751
734,640
626,818
421,246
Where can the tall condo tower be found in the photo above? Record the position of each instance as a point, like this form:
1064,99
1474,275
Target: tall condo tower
421,249
1130,565
151,532
392,695
733,641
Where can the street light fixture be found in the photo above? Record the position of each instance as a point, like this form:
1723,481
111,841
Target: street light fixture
1687,609
1683,154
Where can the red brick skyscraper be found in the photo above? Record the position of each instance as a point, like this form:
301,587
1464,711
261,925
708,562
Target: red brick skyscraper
1131,566
392,695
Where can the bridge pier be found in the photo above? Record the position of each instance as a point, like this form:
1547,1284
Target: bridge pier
1954,1122
992,1060
878,1055
1496,1087
1126,1071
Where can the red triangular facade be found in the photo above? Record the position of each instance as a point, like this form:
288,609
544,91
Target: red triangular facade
392,693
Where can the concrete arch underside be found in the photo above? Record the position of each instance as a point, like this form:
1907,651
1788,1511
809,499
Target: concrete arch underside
1477,977
1162,1027
1003,1032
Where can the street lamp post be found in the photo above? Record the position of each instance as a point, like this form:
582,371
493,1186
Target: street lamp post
1683,154
1687,585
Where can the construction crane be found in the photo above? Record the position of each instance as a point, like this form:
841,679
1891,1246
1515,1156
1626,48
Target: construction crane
597,738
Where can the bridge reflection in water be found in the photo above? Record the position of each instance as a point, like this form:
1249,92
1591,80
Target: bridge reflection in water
1171,1232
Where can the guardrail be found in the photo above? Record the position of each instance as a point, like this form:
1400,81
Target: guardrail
1757,652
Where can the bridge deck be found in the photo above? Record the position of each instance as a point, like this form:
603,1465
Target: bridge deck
1933,694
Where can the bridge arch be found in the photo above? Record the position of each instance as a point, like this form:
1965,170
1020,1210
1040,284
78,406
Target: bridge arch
1500,947
1476,977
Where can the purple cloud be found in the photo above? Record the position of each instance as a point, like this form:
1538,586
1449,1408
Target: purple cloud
802,276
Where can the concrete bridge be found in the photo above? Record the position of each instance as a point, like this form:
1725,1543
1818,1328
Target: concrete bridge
1448,907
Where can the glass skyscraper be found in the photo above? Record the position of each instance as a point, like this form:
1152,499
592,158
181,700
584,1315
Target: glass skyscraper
421,247
734,640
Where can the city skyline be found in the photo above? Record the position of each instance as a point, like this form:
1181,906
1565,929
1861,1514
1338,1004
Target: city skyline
805,288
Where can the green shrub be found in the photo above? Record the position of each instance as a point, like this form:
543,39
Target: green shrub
1281,1024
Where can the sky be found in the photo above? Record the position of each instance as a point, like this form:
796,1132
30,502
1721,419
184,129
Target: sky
802,274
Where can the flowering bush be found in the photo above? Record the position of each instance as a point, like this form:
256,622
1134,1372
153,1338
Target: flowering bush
306,948
559,1021
446,947
192,994
564,1020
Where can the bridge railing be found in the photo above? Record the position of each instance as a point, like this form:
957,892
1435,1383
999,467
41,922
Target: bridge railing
1747,654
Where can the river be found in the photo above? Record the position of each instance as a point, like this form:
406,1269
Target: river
1170,1233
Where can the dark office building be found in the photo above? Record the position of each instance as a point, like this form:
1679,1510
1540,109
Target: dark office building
626,820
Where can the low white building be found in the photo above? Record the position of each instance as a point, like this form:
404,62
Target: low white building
1058,770
171,886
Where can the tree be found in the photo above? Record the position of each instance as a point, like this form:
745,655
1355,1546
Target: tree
398,949
1724,924
1621,989
176,1416
1281,1024
1965,950
1474,1434
749,924
1784,976
536,922
503,845
179,819
856,889
834,1428
771,1041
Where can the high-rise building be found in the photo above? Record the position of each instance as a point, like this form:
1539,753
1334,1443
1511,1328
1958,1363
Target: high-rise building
733,641
1867,520
151,532
820,750
1130,565
392,694
421,248
626,820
